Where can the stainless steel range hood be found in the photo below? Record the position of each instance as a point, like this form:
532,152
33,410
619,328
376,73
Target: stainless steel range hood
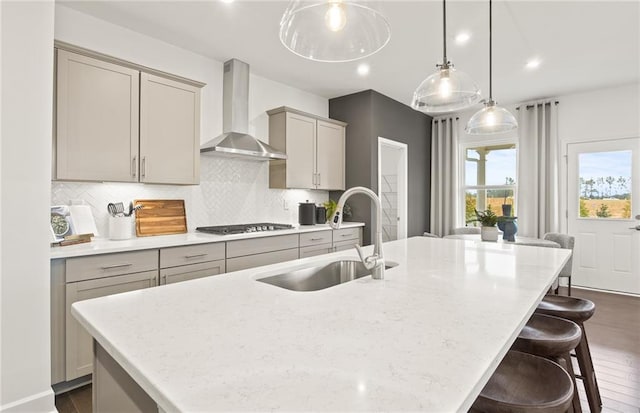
235,140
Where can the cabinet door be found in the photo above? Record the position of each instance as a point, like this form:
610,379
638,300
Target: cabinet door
96,120
257,260
330,156
191,272
78,347
169,131
314,250
301,159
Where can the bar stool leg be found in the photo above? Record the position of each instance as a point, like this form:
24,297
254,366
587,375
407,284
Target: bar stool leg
588,373
565,362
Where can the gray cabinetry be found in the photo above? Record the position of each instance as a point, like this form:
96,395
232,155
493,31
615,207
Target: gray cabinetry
315,149
191,262
251,253
78,349
115,121
345,239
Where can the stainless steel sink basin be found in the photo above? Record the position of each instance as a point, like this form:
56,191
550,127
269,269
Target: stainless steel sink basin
321,277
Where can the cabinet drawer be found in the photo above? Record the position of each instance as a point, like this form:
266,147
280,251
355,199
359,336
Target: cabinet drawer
107,265
191,254
250,261
314,250
260,245
315,238
345,234
345,245
191,272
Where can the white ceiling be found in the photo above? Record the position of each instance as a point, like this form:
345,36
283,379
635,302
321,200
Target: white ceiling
582,44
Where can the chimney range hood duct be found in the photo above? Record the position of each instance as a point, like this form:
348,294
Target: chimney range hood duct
236,141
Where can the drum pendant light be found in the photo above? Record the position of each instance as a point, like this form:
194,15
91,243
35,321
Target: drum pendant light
333,30
492,118
446,90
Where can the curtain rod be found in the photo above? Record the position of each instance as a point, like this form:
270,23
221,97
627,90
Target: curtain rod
532,106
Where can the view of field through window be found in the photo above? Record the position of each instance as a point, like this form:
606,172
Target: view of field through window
605,184
490,180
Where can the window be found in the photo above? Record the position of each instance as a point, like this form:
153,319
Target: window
489,177
605,184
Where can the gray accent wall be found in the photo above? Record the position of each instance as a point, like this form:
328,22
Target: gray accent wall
371,115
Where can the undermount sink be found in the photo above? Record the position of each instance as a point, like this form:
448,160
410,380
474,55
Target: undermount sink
322,276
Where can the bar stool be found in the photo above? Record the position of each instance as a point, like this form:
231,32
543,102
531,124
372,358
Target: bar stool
524,383
553,338
577,310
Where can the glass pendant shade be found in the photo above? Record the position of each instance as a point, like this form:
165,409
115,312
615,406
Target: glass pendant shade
333,30
491,119
446,90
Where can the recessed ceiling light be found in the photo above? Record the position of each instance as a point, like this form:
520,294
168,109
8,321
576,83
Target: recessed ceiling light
363,69
227,1
462,38
532,63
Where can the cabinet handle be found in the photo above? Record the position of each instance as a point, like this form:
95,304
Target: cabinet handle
319,179
111,267
195,256
345,235
313,179
154,281
316,239
143,173
164,279
133,166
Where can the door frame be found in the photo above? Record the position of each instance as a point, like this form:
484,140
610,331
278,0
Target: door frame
404,159
566,203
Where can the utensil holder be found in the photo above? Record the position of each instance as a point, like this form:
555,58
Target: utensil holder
120,228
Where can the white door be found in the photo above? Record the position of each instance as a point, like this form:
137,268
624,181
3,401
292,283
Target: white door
392,188
603,199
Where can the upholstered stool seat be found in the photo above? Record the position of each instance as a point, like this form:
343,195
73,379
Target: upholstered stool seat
524,383
577,310
553,338
548,336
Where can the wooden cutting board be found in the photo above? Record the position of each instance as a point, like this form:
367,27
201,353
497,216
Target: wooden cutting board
160,217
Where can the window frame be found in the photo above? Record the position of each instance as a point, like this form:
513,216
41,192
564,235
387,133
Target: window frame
463,188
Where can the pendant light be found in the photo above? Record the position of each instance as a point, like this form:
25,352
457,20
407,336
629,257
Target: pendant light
446,90
492,118
333,30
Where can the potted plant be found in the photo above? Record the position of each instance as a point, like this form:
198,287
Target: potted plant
488,220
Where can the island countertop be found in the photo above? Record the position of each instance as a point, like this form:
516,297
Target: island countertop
425,338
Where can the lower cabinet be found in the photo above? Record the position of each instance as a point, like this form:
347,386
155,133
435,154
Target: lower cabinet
191,272
78,345
313,250
249,253
257,260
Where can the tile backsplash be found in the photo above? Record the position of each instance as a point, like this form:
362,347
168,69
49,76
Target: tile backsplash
231,191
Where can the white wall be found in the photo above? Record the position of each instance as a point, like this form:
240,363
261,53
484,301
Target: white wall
600,114
231,190
25,157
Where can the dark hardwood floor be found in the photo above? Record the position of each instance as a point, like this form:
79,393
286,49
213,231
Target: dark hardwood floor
614,338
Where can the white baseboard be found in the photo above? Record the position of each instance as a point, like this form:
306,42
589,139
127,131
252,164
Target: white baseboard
41,402
600,290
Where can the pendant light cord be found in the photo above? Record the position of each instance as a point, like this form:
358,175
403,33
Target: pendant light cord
444,33
490,53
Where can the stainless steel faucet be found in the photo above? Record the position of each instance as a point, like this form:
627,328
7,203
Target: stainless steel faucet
374,262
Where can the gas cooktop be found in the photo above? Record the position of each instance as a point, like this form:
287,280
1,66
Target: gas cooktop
243,228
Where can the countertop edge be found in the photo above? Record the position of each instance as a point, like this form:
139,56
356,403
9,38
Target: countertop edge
104,246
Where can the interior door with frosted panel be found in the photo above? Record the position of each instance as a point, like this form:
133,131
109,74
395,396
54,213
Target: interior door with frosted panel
392,188
603,187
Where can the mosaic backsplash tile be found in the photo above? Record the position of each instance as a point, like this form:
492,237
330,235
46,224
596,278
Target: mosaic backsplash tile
231,191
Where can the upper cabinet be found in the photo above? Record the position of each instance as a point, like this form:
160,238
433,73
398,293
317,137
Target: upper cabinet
169,131
315,149
116,122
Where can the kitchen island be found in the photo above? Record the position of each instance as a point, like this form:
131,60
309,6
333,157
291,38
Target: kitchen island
426,338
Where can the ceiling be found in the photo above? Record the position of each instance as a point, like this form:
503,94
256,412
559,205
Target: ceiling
582,45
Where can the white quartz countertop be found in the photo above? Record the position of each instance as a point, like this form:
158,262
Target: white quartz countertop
106,246
426,338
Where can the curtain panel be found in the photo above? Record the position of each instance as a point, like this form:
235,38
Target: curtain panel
539,156
444,175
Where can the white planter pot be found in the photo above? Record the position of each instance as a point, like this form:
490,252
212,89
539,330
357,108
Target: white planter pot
489,233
